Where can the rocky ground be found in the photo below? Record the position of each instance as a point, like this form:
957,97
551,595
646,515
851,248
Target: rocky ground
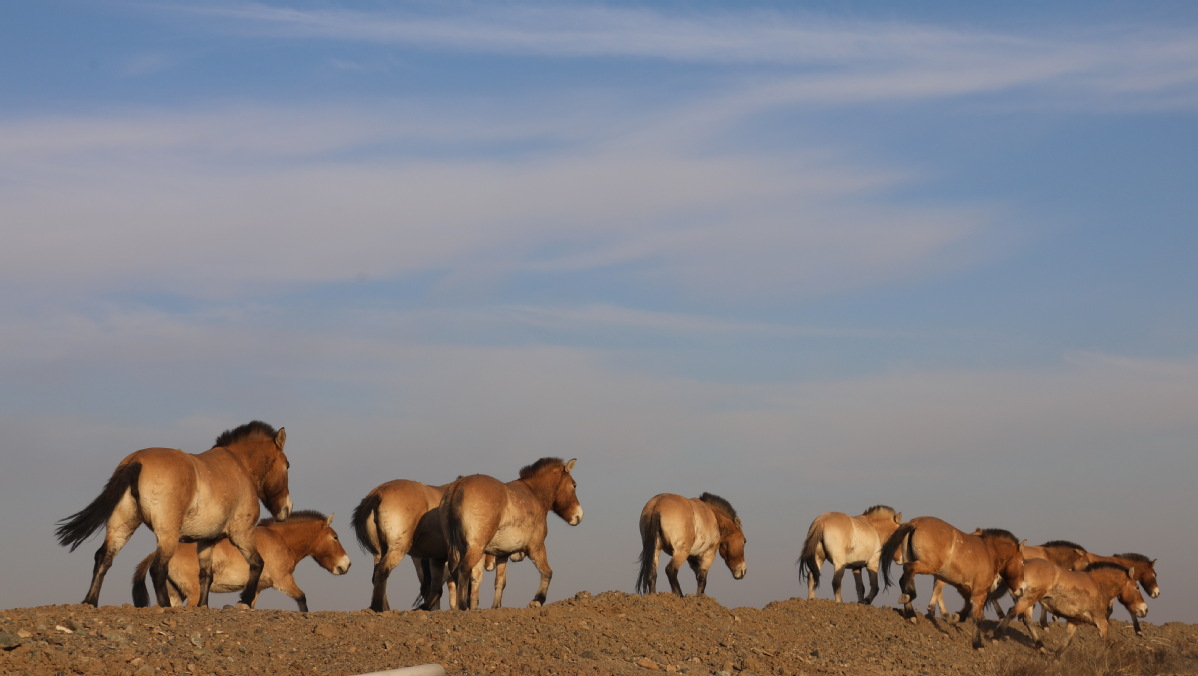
608,633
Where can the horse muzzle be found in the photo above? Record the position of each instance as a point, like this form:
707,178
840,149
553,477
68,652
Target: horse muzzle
1142,610
284,511
739,573
576,518
1155,592
342,566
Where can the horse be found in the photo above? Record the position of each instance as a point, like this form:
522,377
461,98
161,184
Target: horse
403,517
194,497
971,562
481,515
282,544
1079,596
691,530
1068,555
852,542
1145,569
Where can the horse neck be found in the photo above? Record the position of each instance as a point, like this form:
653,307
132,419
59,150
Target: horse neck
297,536
1109,581
543,486
725,523
253,459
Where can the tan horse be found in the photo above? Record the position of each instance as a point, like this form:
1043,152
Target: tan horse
1068,555
1145,570
282,544
692,530
403,517
1081,597
973,563
481,515
195,497
852,542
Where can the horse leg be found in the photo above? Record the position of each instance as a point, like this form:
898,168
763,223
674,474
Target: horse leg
873,584
121,524
286,584
1070,631
244,542
819,562
702,565
204,559
387,562
860,584
837,579
1021,609
977,604
672,569
907,586
936,600
536,552
500,580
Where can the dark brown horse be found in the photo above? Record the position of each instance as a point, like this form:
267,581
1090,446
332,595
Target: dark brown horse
973,563
194,497
403,517
1081,597
282,545
852,542
692,530
481,515
1145,573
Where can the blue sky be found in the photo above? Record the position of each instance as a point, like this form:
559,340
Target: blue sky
810,257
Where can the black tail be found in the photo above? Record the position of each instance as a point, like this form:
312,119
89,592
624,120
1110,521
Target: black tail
892,544
362,513
647,560
141,596
78,527
806,560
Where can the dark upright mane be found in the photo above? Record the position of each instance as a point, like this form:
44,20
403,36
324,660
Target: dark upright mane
246,432
1063,543
882,509
537,467
1132,556
302,516
1102,565
721,504
999,534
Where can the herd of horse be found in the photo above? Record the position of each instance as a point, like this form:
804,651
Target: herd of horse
204,512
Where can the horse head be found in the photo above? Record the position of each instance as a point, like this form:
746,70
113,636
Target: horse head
1130,596
565,496
327,550
1008,557
275,492
732,549
1145,572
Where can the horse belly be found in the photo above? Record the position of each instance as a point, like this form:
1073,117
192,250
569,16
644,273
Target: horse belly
507,541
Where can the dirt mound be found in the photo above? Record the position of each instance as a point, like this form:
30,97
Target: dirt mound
611,633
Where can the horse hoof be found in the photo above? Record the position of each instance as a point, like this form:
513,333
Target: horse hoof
534,604
914,619
904,599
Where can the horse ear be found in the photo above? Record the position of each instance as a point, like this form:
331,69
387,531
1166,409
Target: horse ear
281,437
570,465
1152,563
328,522
1022,545
898,518
1131,573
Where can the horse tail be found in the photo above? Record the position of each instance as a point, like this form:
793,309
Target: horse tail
426,584
141,596
896,540
78,527
649,531
366,511
807,566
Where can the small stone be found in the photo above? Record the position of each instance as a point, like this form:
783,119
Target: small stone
646,663
8,641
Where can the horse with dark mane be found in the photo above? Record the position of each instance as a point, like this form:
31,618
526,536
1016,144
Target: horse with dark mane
481,515
852,542
692,530
282,545
193,497
971,562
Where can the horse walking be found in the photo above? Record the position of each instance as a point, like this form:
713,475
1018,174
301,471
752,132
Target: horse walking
282,545
198,497
403,517
1081,597
971,562
1145,573
481,515
692,530
852,542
